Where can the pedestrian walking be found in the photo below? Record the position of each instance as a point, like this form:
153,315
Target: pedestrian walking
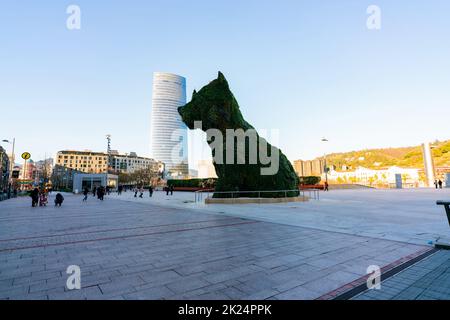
171,190
440,184
436,183
100,193
119,190
150,191
94,191
141,191
135,192
34,197
85,193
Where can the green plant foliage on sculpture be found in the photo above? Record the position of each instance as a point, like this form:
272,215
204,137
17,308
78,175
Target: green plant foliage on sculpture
215,106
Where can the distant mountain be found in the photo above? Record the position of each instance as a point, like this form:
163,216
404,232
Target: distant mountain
407,157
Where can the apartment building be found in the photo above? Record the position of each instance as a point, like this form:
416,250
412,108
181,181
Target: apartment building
83,161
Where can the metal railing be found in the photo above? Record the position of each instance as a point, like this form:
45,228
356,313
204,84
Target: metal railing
312,193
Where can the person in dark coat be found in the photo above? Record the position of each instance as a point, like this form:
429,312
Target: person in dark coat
150,191
171,190
34,197
94,191
85,193
100,192
59,199
440,184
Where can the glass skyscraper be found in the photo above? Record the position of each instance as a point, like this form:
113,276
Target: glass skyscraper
168,132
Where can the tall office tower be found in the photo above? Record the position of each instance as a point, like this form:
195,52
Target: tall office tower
428,164
168,132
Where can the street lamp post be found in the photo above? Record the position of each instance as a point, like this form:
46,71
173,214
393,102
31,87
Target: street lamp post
109,166
11,162
325,162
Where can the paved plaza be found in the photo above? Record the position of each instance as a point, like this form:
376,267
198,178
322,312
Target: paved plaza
169,247
429,279
408,215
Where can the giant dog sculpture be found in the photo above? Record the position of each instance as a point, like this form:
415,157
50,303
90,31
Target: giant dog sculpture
215,110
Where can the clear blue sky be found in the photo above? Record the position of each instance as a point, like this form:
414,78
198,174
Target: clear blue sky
308,68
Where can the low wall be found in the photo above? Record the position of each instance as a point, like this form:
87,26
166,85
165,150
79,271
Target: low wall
347,186
191,189
311,187
254,200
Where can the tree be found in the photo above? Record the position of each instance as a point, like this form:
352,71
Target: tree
143,177
46,171
405,177
311,180
125,178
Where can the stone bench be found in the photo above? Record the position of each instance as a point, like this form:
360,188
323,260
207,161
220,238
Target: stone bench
446,205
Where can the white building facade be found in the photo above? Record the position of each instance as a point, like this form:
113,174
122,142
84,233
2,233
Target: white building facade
410,176
168,132
129,163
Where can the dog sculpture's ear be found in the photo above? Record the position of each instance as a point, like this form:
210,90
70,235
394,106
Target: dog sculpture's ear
221,77
194,93
222,80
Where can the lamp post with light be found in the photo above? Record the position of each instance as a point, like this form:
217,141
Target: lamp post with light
325,161
11,162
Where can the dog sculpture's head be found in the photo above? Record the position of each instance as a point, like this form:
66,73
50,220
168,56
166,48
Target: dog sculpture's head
214,105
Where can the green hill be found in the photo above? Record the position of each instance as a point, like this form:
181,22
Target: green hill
407,157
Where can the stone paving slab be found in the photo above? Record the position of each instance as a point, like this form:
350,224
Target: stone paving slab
192,254
102,235
428,279
408,215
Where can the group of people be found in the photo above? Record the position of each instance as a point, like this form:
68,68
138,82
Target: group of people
140,190
39,197
96,191
101,191
169,189
438,184
10,193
